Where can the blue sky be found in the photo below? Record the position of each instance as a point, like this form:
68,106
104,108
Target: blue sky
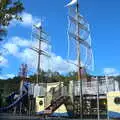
102,15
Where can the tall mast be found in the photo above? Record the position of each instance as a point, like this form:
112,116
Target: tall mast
78,58
76,26
39,55
74,33
78,42
42,37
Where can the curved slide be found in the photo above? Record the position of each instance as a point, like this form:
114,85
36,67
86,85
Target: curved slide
12,95
10,98
15,103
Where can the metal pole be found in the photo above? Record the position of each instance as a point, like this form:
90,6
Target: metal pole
39,53
79,62
15,110
21,87
29,107
114,83
106,78
98,108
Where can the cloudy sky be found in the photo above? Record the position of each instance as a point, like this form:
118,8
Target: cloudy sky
103,17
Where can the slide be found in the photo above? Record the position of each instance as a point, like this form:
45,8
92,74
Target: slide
53,106
10,98
18,100
12,95
15,103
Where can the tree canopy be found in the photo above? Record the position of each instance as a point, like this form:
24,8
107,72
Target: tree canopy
9,10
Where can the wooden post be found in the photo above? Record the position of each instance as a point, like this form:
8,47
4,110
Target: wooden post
98,107
79,60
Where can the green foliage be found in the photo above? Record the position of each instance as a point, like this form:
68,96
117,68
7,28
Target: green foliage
9,10
47,77
1,91
9,85
72,75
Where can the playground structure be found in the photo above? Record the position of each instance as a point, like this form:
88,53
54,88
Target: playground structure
82,98
59,100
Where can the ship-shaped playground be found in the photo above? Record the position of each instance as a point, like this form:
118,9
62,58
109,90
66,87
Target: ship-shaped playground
84,98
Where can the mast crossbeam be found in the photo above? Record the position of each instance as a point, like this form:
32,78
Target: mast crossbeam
81,26
41,52
42,39
78,38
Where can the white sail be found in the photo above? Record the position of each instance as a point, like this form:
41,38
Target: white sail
71,3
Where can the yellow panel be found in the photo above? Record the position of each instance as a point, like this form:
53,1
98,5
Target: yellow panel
110,102
61,109
52,85
39,107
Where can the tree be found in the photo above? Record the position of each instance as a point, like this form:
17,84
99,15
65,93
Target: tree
9,10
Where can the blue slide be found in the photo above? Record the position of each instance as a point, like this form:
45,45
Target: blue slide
12,95
10,98
18,100
15,103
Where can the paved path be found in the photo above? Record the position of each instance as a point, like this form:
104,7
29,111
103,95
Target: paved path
18,117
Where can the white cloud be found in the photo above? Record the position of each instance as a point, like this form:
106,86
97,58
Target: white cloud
20,41
14,45
7,76
111,71
28,56
27,20
20,48
55,63
61,65
3,61
11,48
